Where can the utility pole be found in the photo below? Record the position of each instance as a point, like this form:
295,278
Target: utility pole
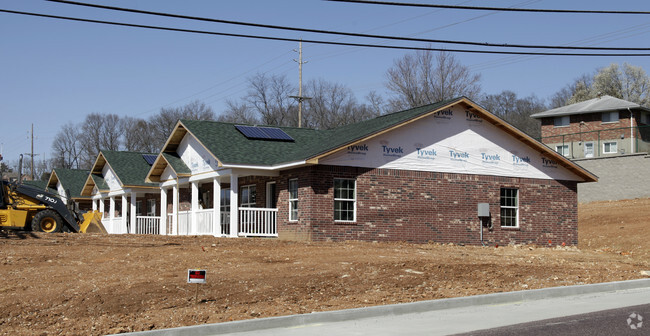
32,153
299,97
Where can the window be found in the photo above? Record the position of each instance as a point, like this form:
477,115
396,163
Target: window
151,207
293,199
609,147
509,207
344,200
561,121
610,116
562,149
138,208
248,195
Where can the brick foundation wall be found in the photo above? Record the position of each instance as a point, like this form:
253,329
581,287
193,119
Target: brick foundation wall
414,206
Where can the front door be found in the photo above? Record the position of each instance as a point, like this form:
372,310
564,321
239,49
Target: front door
271,197
589,149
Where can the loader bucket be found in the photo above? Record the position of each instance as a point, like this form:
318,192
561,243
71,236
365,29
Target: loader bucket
92,223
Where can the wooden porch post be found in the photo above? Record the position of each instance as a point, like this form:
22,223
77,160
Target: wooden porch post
234,205
175,209
133,212
216,207
163,211
125,228
195,208
111,213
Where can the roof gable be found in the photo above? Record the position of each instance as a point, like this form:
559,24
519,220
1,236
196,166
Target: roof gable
130,169
71,179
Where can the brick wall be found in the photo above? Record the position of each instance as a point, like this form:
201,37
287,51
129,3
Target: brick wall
592,122
413,206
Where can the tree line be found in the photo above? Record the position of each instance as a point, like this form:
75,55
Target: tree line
413,80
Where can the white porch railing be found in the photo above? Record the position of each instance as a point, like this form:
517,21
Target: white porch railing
147,224
115,225
253,222
258,222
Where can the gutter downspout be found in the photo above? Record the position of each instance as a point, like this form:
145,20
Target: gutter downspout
632,144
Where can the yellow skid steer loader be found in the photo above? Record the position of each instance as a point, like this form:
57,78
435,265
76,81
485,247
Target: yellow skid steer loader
25,207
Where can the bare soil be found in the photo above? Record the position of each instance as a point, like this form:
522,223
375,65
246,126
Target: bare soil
76,284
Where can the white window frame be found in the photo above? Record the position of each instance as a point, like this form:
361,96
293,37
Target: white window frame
610,147
509,207
138,208
593,149
352,200
610,117
248,204
151,207
293,200
563,121
564,152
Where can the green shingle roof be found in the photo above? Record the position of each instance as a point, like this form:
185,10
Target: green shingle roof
72,180
177,163
229,146
130,167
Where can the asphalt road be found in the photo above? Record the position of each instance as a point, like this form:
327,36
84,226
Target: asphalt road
633,320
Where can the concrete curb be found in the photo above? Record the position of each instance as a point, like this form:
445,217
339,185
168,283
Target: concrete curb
395,309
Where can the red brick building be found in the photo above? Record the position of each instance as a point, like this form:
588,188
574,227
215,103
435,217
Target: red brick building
603,126
417,175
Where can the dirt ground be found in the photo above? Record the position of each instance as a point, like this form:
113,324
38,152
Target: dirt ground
77,284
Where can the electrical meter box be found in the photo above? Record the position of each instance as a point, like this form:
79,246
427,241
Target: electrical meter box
484,209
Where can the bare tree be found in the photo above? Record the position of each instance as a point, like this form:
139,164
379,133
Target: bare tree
162,124
419,79
270,98
238,113
138,136
515,110
628,82
67,147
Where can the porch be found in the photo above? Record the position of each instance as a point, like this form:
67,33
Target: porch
253,222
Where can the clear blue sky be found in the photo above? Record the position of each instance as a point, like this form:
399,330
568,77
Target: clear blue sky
56,72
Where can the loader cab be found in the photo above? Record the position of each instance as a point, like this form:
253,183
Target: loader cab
3,194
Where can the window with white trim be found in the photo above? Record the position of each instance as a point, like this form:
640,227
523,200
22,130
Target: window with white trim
561,121
562,149
138,208
151,207
610,147
509,207
293,199
248,196
610,116
345,195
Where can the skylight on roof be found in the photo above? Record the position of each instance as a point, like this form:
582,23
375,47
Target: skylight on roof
150,158
263,133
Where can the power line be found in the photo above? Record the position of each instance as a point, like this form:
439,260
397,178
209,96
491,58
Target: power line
285,39
330,32
502,9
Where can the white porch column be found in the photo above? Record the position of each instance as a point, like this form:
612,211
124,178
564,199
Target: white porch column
163,211
101,206
194,208
234,205
94,205
133,212
111,214
216,207
125,228
175,209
